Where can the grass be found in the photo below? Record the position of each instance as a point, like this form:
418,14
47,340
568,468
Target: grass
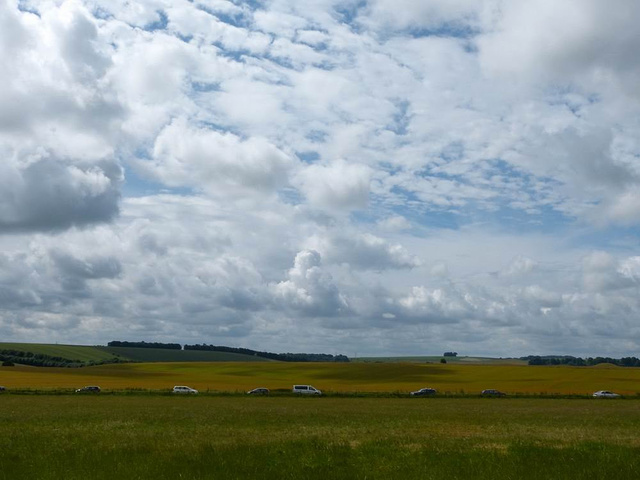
71,352
100,353
77,437
336,377
166,355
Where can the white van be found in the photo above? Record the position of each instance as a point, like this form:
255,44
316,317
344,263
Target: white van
183,389
306,390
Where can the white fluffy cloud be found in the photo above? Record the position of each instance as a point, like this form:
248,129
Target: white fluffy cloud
219,163
337,186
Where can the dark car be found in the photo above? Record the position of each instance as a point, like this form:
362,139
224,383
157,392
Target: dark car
492,393
258,391
424,392
90,389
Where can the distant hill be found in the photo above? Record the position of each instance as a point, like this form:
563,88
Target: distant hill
436,359
81,353
76,355
165,355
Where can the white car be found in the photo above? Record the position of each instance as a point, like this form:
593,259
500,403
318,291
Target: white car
183,389
605,394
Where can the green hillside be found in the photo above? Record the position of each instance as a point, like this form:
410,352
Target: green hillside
166,355
71,352
98,353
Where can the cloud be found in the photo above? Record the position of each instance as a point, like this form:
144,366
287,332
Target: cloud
576,41
48,194
337,186
309,289
58,121
348,173
364,252
219,163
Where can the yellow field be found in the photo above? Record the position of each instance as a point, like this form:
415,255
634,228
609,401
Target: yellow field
336,377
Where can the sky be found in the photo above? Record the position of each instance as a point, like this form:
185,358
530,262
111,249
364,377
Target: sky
359,177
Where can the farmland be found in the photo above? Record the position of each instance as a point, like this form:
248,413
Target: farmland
139,437
331,377
134,431
102,354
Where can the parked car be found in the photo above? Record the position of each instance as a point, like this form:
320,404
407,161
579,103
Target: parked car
183,389
492,393
89,389
258,391
605,394
306,390
424,392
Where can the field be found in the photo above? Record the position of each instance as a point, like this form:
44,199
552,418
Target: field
71,352
437,358
165,355
101,353
158,437
331,377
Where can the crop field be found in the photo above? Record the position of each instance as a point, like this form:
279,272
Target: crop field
332,377
166,355
203,437
101,353
72,352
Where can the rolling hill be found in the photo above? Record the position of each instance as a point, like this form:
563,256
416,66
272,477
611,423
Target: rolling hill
101,354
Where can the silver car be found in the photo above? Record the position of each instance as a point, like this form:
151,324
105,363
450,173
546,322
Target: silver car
605,394
183,389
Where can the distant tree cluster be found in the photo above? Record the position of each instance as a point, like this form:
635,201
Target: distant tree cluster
580,362
450,354
283,357
166,346
43,360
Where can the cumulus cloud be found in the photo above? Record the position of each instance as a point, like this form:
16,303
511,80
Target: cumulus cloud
574,41
51,194
364,252
309,289
220,163
337,186
421,165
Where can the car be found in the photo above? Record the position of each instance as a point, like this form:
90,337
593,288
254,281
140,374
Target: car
89,389
605,394
306,390
258,391
424,392
492,393
2,389
184,389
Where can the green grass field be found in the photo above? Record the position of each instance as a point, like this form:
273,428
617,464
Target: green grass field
71,352
333,377
168,437
100,353
165,355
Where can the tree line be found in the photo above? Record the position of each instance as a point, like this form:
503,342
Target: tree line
579,361
143,344
283,357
